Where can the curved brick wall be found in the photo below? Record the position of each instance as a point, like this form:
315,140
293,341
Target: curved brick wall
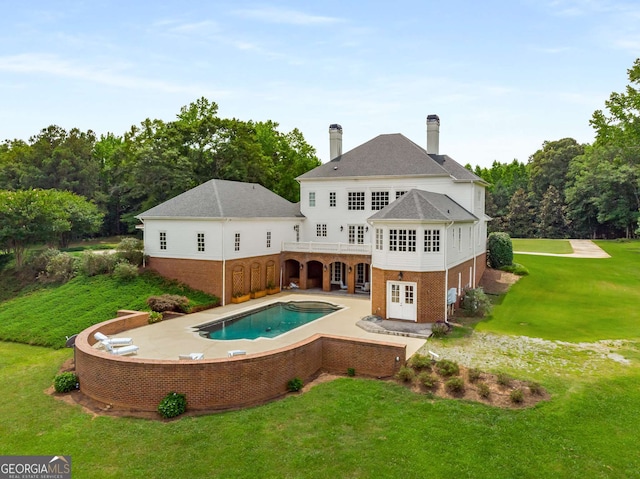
218,384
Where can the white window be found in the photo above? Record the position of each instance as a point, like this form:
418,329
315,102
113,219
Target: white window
268,239
402,240
163,240
395,293
379,199
355,200
237,242
400,193
408,294
312,198
459,238
431,241
356,234
321,230
360,273
379,239
332,199
200,242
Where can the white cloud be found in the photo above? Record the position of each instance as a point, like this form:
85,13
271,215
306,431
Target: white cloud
287,16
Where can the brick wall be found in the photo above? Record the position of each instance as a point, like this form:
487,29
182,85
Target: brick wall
219,384
204,275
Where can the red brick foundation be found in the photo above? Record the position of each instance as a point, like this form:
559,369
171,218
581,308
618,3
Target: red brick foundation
220,384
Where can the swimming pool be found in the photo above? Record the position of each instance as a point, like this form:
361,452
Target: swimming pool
267,321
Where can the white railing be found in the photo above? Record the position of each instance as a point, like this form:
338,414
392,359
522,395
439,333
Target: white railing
316,247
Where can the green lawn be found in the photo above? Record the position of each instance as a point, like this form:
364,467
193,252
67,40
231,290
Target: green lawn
373,429
554,246
44,317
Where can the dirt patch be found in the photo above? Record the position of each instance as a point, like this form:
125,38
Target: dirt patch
494,281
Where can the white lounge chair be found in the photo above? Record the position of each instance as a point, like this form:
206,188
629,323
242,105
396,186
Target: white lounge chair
342,285
366,287
191,356
236,352
112,341
123,351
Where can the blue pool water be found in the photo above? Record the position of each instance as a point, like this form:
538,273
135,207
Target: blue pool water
268,321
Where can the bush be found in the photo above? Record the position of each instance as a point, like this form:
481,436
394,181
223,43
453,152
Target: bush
455,385
172,405
131,250
439,329
446,368
473,374
65,382
535,388
475,302
406,374
61,268
516,268
483,390
420,361
125,271
295,385
351,372
427,379
155,317
38,263
516,396
503,379
169,302
93,264
499,250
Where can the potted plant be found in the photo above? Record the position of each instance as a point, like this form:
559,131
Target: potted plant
240,297
258,293
272,288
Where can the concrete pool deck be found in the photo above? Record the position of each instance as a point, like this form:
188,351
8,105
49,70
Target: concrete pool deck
170,338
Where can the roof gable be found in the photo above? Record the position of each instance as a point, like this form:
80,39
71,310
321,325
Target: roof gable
225,199
419,205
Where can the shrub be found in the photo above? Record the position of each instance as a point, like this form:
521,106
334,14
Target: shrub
420,361
446,368
516,396
475,302
131,250
516,268
503,379
155,317
474,374
172,405
65,382
125,271
93,264
483,390
406,374
295,384
499,250
439,329
535,388
427,379
38,263
61,268
455,385
351,372
169,302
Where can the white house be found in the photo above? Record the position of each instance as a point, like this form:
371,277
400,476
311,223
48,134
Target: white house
389,219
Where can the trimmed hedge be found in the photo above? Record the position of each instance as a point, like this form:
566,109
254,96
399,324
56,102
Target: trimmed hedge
499,250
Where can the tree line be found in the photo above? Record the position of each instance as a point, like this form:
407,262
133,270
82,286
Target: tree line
152,162
567,189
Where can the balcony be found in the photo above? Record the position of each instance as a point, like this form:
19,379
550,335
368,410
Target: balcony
333,248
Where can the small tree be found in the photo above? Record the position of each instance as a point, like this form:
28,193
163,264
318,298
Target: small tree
499,250
475,302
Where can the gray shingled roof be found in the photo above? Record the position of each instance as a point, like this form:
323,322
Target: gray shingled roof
424,206
390,155
225,199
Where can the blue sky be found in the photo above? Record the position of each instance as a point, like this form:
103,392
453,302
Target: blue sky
503,76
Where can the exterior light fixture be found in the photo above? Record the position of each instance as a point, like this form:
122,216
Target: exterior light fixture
301,266
400,276
341,228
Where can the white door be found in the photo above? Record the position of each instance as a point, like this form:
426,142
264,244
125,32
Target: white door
401,300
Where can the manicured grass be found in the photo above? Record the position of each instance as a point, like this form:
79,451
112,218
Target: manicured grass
574,299
554,246
46,316
346,428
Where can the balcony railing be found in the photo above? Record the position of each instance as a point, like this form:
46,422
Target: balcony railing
335,248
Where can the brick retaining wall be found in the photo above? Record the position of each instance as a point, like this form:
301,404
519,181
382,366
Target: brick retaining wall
220,384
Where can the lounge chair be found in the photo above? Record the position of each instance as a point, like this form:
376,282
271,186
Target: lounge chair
342,285
366,287
112,341
236,352
122,351
191,356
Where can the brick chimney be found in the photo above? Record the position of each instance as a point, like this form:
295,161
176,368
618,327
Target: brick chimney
433,134
335,141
